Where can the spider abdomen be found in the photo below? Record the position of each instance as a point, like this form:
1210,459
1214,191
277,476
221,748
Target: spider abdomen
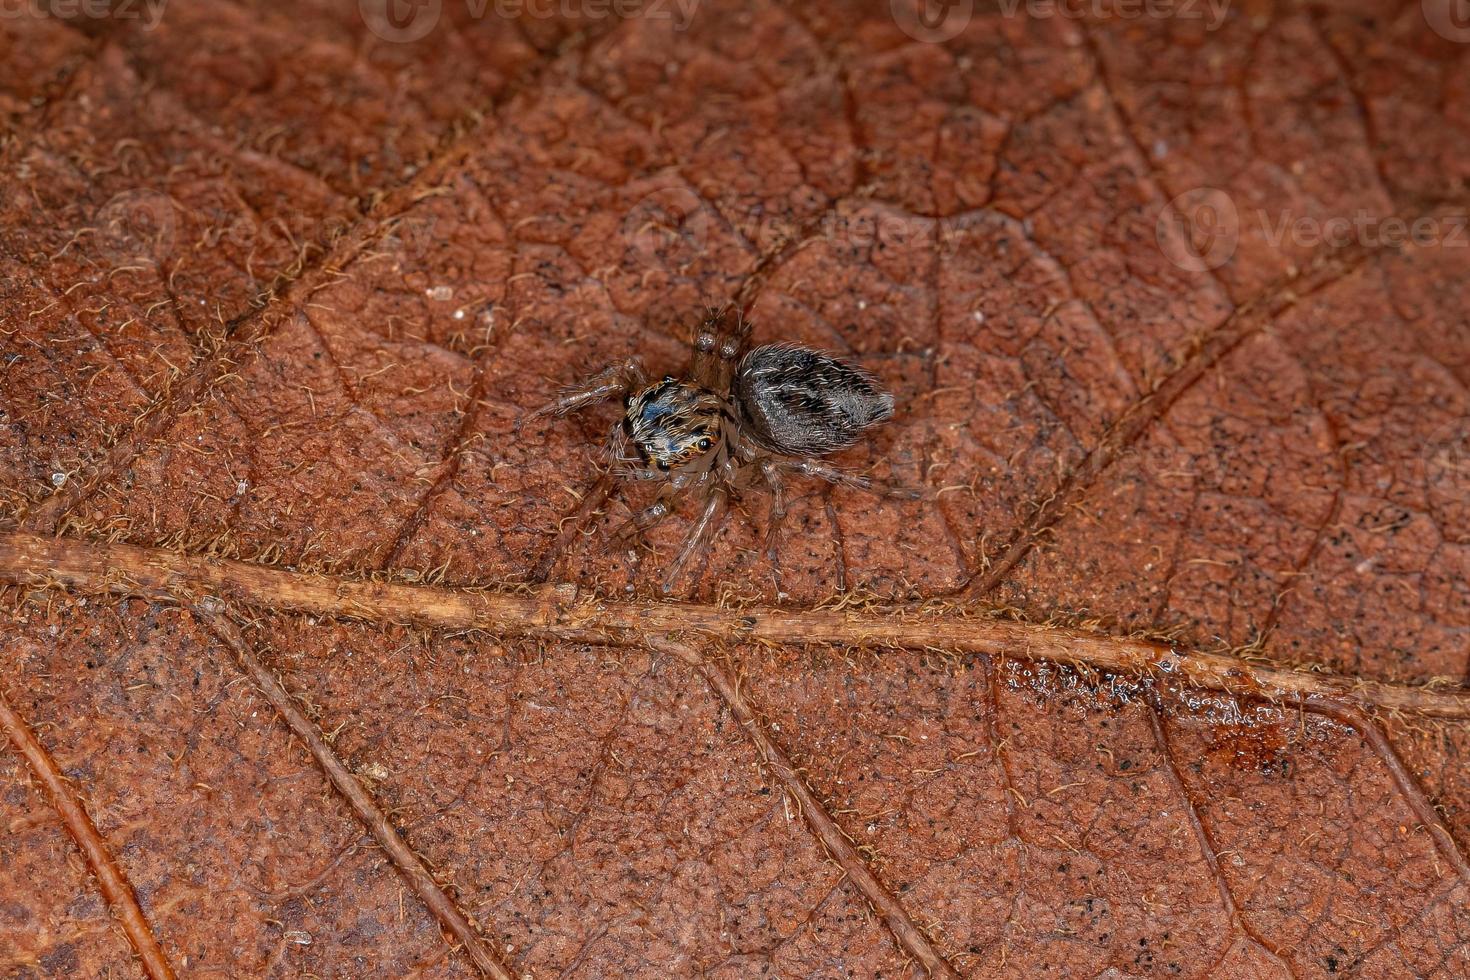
801,402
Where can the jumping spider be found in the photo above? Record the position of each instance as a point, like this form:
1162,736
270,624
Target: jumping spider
740,414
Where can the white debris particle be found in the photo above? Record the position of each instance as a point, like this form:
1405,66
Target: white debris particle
375,771
299,937
459,313
440,294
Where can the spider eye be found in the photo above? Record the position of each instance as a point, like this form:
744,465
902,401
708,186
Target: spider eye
704,445
663,466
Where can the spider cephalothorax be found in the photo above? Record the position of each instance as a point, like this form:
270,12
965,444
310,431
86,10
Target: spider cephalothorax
674,424
733,420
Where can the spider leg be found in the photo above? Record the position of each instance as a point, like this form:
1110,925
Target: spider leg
640,523
772,472
699,536
857,481
618,379
593,498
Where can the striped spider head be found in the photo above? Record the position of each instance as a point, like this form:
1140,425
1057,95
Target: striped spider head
675,426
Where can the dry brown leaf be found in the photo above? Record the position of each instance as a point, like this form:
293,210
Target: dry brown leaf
278,281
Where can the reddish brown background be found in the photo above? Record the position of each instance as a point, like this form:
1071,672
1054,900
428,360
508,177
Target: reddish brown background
275,288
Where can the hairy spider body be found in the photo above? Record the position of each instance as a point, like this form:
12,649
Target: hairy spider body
675,425
801,402
734,420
